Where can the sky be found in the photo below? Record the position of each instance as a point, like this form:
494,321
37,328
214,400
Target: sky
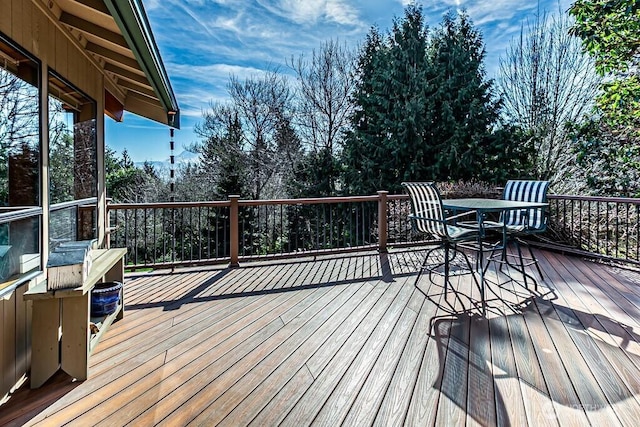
204,42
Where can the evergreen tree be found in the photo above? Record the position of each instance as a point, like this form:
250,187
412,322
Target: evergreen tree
386,145
126,162
424,110
463,110
233,176
410,88
360,161
223,164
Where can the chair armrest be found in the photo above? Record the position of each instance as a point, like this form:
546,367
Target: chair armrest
461,215
468,225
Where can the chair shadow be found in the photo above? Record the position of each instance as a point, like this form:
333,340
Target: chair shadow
462,338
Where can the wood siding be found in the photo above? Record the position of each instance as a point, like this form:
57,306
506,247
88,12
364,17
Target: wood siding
15,353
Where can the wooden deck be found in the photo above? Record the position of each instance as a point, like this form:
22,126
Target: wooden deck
351,341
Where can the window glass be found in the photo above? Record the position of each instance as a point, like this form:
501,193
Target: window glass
20,146
72,163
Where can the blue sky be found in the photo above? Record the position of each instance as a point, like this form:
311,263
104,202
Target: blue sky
203,42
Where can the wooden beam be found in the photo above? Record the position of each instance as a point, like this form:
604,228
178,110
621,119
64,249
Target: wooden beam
89,28
137,88
145,107
113,57
112,107
126,74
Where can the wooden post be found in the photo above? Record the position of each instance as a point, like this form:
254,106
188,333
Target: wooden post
234,232
45,344
382,221
74,346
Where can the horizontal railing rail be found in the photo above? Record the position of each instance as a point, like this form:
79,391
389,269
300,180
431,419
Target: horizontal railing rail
89,202
20,213
170,234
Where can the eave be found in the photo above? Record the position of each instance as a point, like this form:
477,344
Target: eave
118,36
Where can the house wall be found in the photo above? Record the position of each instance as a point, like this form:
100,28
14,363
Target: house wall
32,25
15,339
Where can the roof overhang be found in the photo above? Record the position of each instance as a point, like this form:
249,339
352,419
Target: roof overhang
117,35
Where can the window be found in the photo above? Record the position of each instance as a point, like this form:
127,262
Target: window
72,163
20,147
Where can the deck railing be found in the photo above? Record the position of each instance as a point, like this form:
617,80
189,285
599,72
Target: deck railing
186,233
234,230
606,227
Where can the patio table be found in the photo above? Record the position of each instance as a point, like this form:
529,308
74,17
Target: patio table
482,207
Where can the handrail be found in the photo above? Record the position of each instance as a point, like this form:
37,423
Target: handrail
247,202
179,233
20,214
29,212
308,201
168,205
73,203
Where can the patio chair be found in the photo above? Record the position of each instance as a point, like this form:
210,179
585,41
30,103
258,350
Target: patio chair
525,222
428,217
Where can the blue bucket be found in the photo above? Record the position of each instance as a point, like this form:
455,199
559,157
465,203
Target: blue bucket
105,298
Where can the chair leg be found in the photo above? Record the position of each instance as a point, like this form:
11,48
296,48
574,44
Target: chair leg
537,264
503,260
503,257
524,274
426,261
535,260
503,252
446,267
479,284
423,267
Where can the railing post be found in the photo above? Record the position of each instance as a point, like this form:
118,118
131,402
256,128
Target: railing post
382,221
234,247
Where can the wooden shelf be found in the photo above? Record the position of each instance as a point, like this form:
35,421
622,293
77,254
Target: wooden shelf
103,323
70,311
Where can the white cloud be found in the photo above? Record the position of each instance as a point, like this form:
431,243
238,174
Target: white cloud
341,13
313,11
202,71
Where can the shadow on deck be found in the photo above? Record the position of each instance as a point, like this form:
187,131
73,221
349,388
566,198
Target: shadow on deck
354,340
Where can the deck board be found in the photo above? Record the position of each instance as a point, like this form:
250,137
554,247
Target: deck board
349,340
599,356
277,369
422,409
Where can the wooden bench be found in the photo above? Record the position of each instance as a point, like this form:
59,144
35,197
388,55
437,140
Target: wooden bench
61,336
